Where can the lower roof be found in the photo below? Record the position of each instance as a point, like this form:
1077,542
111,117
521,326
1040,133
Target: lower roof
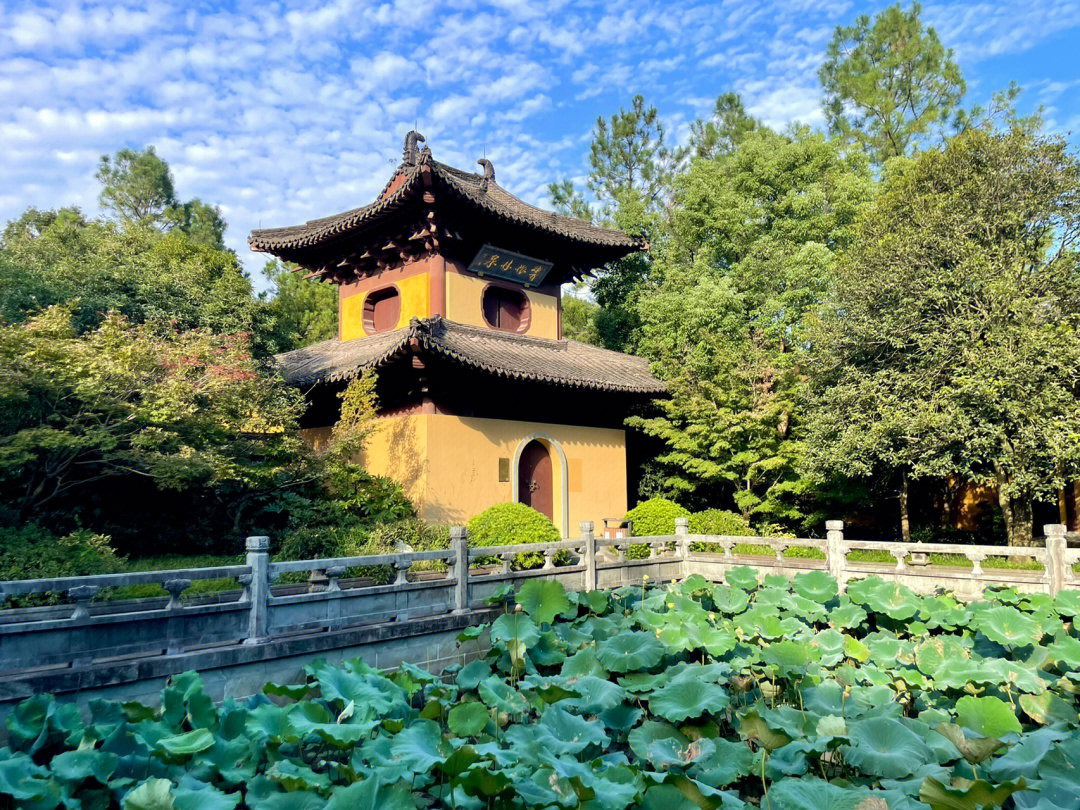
558,362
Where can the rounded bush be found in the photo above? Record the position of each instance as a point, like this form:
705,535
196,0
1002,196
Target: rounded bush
508,524
655,516
721,522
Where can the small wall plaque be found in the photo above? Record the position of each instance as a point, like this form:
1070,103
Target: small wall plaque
504,470
493,261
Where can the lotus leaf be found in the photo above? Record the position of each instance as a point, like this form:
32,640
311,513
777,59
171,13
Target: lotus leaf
752,727
371,792
816,585
976,796
500,695
660,743
974,749
1067,603
688,698
1048,708
743,577
986,716
847,616
420,746
192,794
810,793
151,794
885,747
629,651
729,599
468,719
543,599
517,632
1065,650
1007,626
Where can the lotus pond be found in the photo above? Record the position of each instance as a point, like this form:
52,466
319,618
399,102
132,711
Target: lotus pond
782,695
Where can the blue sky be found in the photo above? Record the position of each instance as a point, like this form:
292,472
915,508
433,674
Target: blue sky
281,111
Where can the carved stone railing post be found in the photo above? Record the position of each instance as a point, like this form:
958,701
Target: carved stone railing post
258,557
682,545
459,543
834,550
175,632
588,539
81,595
1055,556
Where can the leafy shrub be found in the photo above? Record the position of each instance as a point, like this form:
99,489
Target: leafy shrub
652,517
31,552
410,533
719,521
655,516
511,524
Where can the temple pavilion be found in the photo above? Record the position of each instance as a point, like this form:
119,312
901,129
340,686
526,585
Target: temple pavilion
449,287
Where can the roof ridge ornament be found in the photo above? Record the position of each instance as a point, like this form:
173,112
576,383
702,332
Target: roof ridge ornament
489,173
411,154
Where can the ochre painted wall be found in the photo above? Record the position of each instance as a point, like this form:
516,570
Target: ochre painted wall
415,293
464,293
449,465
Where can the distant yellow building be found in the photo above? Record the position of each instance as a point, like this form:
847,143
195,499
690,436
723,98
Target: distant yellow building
450,290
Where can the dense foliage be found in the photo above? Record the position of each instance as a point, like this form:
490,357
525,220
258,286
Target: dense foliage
507,524
951,346
656,516
719,522
781,694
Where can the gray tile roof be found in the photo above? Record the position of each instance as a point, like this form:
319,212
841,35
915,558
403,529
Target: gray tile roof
559,362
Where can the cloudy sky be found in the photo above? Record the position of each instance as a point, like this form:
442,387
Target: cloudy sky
284,111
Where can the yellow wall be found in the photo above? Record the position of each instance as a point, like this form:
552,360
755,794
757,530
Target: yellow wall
449,465
463,305
415,292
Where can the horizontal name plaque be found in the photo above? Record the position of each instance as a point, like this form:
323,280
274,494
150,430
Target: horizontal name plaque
505,264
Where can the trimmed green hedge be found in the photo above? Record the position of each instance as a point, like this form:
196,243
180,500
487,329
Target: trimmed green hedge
510,524
656,516
720,521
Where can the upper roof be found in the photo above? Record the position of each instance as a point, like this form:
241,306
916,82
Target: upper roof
559,362
421,181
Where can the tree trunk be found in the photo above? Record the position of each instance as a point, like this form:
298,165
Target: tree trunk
1018,517
905,517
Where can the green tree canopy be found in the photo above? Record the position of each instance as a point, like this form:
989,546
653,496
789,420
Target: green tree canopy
953,343
95,266
304,310
888,82
748,260
725,130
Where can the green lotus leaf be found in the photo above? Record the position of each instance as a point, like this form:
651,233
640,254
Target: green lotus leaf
933,653
666,797
752,727
498,694
566,733
884,649
774,599
896,601
730,600
811,793
1065,650
847,616
1048,708
809,610
194,794
974,749
593,694
830,644
716,641
187,744
986,716
420,747
816,585
728,762
762,622
686,699
885,747
150,794
831,726
1007,626
660,743
595,601
371,792
543,599
287,690
75,766
621,718
943,612
855,649
743,577
292,776
978,795
789,657
629,651
23,780
695,585
1067,603
583,662
470,675
1025,759
517,633
468,719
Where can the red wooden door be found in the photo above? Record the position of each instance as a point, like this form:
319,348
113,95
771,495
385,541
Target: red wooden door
534,479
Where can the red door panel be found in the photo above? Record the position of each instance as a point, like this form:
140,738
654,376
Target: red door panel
534,479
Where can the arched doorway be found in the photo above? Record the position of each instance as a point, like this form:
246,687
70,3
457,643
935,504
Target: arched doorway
534,479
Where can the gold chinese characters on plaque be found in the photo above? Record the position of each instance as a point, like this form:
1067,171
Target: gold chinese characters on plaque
493,261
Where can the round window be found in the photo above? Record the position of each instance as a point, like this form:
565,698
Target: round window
506,309
382,310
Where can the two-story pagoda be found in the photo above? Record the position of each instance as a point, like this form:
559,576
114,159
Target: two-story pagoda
449,287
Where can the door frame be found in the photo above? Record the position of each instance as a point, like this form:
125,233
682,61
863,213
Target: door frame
560,497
